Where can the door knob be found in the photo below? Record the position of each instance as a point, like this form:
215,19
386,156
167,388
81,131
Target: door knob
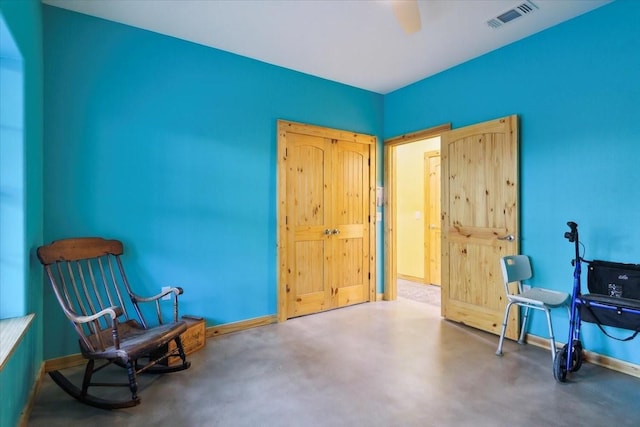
335,231
508,238
327,232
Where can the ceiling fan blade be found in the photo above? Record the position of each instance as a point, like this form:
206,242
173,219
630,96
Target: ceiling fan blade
408,15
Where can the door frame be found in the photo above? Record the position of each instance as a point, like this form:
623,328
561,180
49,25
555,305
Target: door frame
427,217
284,126
390,221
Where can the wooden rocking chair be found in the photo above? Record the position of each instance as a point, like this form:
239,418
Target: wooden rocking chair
90,284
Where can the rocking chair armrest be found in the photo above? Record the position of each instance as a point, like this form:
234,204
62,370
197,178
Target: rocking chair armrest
175,290
113,312
156,299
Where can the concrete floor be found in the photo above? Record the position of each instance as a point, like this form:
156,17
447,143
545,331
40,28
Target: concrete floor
377,364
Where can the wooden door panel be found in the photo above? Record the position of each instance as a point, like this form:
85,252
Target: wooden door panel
435,272
349,262
309,267
480,200
352,231
349,295
350,185
475,280
308,218
351,210
308,181
478,178
310,272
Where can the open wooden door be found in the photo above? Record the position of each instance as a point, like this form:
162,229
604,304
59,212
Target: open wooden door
479,221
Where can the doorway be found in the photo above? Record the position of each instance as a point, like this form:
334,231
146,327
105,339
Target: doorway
412,222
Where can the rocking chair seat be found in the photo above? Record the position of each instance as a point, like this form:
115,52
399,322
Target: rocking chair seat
136,342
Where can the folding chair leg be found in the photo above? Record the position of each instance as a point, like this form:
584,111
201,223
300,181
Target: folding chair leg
504,328
524,325
552,339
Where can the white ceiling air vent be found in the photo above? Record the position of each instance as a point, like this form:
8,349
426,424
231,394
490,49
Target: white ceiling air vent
516,12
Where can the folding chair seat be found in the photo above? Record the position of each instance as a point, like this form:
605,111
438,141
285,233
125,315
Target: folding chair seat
516,269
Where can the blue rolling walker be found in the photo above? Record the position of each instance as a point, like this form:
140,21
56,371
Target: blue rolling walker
569,357
613,300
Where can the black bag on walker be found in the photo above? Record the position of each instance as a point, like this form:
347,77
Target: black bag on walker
614,279
614,298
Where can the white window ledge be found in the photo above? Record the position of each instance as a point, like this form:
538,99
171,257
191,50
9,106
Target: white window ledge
11,332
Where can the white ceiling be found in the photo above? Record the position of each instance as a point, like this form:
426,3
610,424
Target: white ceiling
355,42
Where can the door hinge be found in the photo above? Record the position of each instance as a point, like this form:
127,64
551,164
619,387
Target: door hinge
369,161
369,275
286,220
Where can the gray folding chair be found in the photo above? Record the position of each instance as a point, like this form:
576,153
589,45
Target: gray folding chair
517,268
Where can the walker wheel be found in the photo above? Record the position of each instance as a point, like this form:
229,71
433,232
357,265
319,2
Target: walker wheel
560,365
576,356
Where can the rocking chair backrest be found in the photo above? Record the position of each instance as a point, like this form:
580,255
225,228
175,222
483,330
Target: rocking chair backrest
87,277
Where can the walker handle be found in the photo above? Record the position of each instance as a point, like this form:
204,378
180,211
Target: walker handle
571,236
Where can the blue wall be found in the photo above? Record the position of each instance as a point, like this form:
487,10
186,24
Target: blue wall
24,21
576,89
181,140
171,147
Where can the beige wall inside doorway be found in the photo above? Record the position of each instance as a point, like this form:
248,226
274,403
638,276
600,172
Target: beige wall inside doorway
410,207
